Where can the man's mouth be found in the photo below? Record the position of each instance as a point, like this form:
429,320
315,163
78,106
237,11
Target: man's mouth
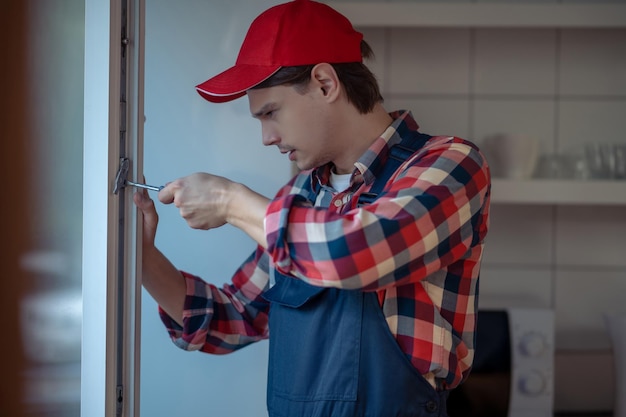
291,152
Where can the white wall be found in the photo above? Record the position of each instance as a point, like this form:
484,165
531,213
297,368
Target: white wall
187,42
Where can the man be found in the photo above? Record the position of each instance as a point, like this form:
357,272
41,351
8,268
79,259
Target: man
366,271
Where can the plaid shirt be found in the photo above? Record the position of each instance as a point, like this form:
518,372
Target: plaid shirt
418,245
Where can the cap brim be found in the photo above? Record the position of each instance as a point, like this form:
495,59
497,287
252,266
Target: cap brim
234,82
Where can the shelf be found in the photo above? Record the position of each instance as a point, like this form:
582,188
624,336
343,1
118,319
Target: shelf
572,192
432,14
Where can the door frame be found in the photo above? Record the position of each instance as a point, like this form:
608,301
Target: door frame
111,288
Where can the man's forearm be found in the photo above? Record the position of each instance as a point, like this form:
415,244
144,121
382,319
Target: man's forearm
164,282
246,211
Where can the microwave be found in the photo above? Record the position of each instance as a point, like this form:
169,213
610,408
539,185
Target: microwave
513,368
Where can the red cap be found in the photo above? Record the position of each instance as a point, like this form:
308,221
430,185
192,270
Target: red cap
301,32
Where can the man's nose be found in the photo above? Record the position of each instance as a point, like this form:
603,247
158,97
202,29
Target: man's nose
270,137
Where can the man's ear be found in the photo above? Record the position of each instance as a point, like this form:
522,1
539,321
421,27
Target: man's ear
324,78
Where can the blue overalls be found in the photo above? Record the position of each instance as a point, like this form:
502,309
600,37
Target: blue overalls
332,354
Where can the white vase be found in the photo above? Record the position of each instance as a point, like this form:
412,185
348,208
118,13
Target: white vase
511,155
616,325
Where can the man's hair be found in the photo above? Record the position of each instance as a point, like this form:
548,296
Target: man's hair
359,82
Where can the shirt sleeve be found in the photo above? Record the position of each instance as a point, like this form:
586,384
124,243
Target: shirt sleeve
221,320
425,219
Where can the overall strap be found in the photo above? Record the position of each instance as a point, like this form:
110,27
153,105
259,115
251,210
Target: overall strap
398,153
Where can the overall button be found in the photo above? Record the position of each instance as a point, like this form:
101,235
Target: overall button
431,406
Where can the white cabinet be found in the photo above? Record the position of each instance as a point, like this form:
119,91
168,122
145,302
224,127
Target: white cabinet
435,14
556,241
498,15
540,191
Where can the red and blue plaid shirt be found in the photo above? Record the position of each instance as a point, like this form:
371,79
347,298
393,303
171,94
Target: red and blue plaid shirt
418,245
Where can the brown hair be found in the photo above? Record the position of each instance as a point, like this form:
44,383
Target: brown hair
359,82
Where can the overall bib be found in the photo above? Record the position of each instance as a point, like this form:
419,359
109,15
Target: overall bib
332,355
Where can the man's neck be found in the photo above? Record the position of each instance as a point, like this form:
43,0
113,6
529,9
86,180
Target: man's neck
362,130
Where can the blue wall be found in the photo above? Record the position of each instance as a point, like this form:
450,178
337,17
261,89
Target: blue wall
187,42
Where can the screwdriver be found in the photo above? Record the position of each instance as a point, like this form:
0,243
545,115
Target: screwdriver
121,181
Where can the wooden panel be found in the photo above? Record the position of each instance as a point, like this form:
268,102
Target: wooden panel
14,215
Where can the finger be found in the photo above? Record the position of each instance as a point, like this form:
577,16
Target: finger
142,200
146,205
166,195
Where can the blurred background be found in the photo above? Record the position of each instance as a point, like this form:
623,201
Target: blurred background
42,144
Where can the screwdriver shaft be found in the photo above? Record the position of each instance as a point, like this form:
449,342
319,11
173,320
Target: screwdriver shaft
146,186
